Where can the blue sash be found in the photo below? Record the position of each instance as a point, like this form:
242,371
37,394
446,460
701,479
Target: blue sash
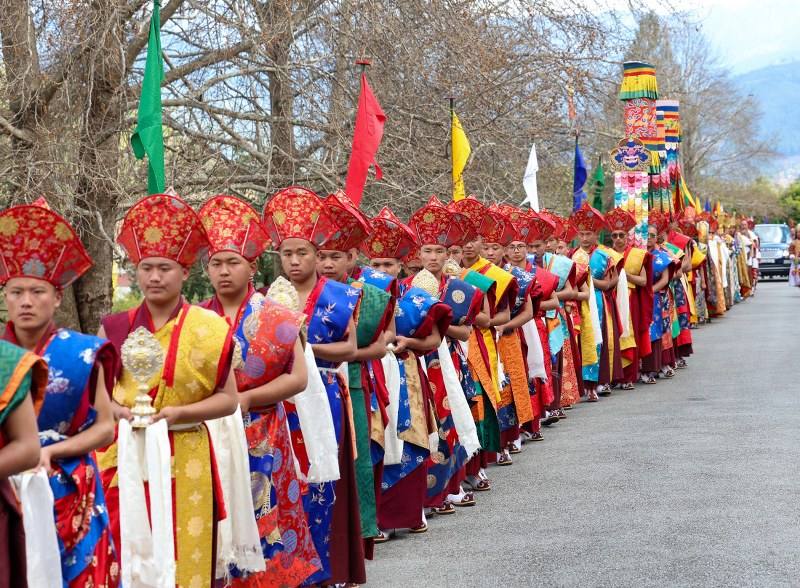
412,308
377,279
459,295
70,357
525,281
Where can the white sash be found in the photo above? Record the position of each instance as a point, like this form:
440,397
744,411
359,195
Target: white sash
316,423
595,312
147,555
623,304
238,541
344,370
535,356
459,407
41,541
393,446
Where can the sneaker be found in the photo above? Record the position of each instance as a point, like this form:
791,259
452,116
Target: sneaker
550,417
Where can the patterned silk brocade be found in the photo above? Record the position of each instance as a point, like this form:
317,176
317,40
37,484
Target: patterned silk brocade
199,340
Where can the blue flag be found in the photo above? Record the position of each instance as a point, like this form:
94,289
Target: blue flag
766,220
707,207
578,179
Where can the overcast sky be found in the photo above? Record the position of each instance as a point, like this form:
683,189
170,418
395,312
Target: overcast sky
750,34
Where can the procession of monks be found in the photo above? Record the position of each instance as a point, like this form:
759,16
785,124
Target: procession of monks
271,436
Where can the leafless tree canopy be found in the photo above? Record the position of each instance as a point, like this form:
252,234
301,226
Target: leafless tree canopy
261,94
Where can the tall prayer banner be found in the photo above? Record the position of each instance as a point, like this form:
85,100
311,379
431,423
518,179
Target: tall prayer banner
461,152
637,193
630,162
367,137
148,137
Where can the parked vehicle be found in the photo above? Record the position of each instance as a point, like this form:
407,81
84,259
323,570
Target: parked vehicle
775,242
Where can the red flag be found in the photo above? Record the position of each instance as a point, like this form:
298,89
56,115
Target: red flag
366,139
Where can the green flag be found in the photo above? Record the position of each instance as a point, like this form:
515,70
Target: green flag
599,186
148,138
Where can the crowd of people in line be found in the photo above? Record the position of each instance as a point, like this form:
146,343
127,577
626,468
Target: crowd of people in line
272,436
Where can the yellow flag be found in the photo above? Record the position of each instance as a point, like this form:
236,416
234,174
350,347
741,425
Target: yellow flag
460,156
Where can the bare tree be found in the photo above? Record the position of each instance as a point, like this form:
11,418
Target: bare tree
261,94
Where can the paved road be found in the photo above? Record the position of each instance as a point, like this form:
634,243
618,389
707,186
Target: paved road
691,482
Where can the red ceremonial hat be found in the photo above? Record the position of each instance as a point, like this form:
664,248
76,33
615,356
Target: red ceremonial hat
389,237
587,218
619,219
687,226
354,224
163,225
436,225
751,224
35,242
525,231
570,233
544,228
476,212
503,230
560,224
659,220
233,225
713,225
298,213
468,228
679,240
413,254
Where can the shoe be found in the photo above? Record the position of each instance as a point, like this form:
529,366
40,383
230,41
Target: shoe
681,363
524,436
592,396
567,407
447,508
513,449
628,386
549,418
462,500
478,484
423,528
604,391
504,459
561,414
384,535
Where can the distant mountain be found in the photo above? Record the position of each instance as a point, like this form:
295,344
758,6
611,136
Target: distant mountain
777,89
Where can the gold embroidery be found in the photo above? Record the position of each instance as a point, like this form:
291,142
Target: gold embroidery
417,433
202,340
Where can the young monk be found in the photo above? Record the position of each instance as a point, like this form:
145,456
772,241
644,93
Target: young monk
75,418
299,225
638,263
269,369
437,229
421,320
163,237
501,294
336,261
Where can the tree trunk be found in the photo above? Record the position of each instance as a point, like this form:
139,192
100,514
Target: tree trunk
97,191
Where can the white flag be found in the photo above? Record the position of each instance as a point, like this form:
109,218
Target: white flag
529,181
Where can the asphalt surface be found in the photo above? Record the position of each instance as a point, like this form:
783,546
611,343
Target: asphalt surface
691,482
